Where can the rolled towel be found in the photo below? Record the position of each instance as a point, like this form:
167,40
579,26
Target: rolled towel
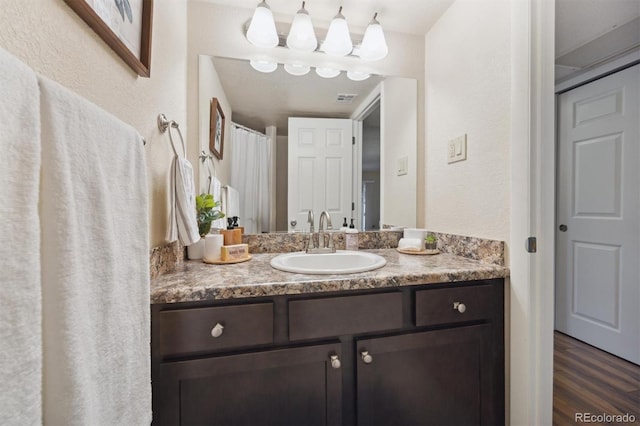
412,244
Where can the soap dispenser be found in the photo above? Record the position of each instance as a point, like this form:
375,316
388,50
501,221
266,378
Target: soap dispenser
351,237
344,226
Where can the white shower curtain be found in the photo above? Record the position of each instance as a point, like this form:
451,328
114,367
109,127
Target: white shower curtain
250,176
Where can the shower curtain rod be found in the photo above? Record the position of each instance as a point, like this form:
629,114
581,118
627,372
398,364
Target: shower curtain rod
240,126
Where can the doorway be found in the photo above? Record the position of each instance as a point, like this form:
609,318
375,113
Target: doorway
370,191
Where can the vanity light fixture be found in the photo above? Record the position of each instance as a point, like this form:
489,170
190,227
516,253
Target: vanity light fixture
338,40
263,65
374,46
301,36
326,72
297,69
262,29
357,75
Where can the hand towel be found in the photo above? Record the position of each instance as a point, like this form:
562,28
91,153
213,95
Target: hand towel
412,244
216,191
20,294
232,202
183,223
95,265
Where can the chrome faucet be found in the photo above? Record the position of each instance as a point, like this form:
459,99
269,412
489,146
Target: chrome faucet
322,246
310,245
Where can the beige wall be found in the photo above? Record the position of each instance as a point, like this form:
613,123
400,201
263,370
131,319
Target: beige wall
398,136
282,171
210,87
55,42
467,70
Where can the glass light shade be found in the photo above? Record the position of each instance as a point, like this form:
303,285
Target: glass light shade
357,75
325,72
263,66
301,35
297,69
338,40
262,29
374,46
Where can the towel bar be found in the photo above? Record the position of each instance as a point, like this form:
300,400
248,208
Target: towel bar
164,124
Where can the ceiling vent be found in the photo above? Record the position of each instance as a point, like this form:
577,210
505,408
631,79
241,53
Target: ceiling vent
346,98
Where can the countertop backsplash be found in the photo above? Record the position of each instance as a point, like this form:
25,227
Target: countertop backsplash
167,258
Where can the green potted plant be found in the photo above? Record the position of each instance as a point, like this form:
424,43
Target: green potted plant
206,213
430,242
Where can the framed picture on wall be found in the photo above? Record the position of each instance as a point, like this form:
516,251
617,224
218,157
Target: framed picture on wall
125,25
216,129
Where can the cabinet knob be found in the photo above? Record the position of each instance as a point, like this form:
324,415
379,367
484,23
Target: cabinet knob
366,357
460,307
335,362
217,330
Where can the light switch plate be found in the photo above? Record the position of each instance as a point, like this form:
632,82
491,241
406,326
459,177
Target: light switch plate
457,149
403,166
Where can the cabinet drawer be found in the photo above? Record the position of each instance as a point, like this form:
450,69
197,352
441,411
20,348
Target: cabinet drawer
337,316
190,330
437,306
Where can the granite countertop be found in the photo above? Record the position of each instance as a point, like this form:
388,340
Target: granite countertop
198,281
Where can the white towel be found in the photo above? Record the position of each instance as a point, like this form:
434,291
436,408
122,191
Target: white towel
232,202
216,191
95,265
412,244
182,199
20,294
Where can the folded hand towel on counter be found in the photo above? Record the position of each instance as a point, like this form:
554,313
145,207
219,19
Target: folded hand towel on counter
413,244
95,265
20,292
182,198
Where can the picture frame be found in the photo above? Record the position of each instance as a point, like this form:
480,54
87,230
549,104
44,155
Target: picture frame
125,25
216,129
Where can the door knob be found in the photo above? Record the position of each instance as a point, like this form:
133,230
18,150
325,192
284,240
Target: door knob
335,361
217,330
563,228
366,357
460,307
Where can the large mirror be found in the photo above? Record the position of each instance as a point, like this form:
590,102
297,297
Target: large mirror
383,185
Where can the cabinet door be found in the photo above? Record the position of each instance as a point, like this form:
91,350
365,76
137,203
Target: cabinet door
441,377
296,386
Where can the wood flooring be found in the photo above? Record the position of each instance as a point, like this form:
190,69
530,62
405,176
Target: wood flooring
588,380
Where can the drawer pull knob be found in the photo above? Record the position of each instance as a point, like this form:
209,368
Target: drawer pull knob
460,307
335,362
366,357
217,330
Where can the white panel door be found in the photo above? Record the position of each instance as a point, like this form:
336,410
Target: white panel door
320,169
598,218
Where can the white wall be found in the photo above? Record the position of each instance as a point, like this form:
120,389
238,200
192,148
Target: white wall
398,139
55,42
468,91
210,87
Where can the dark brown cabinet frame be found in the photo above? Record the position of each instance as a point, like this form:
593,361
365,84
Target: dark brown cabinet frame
419,357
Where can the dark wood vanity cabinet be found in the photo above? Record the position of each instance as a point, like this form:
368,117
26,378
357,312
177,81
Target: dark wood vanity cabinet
401,356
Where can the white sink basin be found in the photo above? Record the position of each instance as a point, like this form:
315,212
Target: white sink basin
340,262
